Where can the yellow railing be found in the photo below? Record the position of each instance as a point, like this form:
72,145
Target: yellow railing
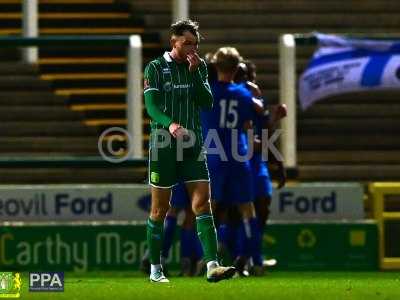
379,191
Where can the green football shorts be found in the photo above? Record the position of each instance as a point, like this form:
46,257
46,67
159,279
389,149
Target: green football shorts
165,170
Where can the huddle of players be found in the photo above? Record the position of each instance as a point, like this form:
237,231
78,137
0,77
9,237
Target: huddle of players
240,190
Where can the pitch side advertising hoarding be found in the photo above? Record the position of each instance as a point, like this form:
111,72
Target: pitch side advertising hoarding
131,202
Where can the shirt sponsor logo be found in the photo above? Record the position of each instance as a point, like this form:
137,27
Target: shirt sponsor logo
182,86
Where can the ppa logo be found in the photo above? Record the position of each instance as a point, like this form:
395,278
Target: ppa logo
46,281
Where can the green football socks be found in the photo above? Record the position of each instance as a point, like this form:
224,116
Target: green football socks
154,240
208,236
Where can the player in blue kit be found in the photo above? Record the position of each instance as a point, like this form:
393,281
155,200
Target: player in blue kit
225,131
262,181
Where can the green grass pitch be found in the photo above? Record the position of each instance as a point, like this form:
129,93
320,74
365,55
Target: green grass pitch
274,285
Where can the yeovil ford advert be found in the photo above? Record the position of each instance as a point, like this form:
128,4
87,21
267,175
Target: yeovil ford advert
72,203
130,202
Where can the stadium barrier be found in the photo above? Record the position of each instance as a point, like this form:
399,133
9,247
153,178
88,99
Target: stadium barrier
30,28
287,92
89,246
386,211
180,10
308,202
88,227
134,68
30,22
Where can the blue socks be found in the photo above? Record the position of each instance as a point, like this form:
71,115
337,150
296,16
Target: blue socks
248,240
241,242
186,242
223,235
256,242
197,248
190,244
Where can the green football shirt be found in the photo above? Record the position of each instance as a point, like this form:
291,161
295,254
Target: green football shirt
174,94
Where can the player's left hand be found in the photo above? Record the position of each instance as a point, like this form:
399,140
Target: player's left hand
194,61
181,133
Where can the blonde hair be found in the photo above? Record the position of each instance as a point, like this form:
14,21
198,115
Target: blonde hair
227,59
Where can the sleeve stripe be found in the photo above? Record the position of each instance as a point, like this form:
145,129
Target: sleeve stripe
155,68
151,89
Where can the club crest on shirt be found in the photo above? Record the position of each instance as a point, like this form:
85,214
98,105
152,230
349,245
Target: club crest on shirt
167,86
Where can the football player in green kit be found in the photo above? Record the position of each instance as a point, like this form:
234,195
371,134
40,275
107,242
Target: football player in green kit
176,89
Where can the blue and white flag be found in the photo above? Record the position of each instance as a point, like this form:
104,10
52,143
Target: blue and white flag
341,65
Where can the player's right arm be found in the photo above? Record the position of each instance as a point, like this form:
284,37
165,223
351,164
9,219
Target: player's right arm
204,96
152,99
152,95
